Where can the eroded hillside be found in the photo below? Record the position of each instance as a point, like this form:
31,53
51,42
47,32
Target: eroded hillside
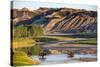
65,20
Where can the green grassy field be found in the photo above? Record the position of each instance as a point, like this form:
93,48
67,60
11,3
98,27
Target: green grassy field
90,41
53,38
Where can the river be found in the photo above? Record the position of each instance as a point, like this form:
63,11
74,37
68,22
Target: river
63,58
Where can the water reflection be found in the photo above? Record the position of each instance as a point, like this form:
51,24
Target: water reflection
42,58
70,54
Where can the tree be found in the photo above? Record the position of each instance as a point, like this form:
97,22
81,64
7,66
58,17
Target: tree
19,31
36,30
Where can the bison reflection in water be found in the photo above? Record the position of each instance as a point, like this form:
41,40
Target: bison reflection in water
70,54
43,53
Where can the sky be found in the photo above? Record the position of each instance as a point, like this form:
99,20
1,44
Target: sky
35,5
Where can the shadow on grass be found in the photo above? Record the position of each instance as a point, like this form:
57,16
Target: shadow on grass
44,39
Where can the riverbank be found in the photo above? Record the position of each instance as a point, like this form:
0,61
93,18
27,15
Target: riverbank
57,46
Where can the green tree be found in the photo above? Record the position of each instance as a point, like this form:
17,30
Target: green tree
19,31
36,30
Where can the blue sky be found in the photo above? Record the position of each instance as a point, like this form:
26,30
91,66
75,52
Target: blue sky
34,5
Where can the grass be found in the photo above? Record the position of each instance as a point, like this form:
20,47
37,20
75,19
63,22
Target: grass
90,41
62,38
20,58
22,42
53,38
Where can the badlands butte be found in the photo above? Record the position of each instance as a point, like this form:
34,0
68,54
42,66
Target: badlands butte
62,20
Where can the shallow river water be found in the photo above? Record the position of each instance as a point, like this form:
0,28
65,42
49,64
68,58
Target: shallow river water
63,58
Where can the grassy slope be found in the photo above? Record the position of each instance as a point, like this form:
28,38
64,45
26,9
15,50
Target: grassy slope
20,58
